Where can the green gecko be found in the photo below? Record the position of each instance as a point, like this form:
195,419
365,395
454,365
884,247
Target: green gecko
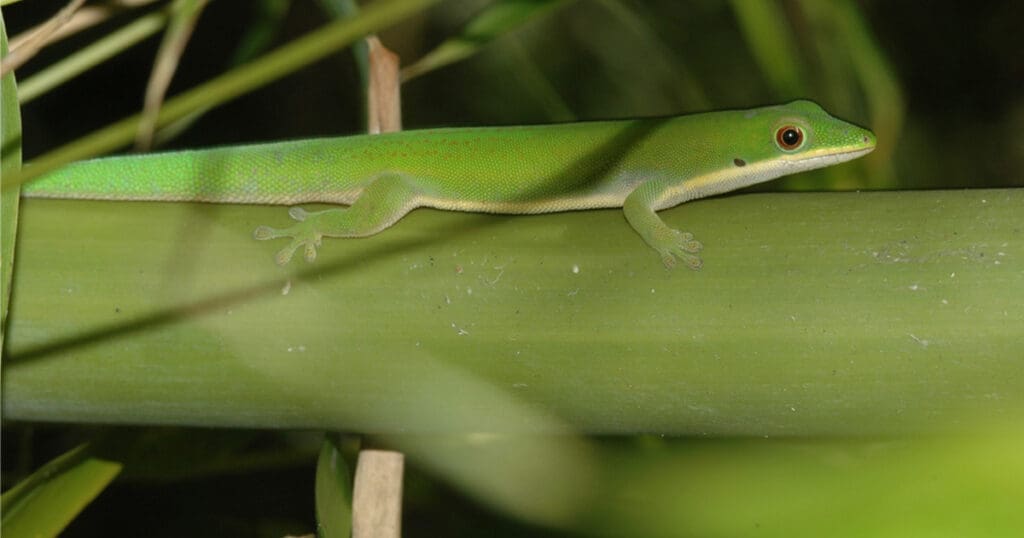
640,165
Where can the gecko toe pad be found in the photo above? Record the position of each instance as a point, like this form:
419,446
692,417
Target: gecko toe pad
303,234
681,246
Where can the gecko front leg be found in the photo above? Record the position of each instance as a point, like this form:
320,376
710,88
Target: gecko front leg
382,203
671,244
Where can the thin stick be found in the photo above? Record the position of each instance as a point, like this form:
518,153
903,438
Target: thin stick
377,495
39,39
383,95
377,490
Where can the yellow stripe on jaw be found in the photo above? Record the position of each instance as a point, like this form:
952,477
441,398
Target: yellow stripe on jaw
740,176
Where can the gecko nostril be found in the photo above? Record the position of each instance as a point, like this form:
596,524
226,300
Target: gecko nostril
739,162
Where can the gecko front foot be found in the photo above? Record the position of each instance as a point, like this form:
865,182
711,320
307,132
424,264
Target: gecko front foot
303,234
678,245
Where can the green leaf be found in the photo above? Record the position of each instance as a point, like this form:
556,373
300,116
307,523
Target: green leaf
10,162
45,502
496,20
92,55
770,39
333,490
941,487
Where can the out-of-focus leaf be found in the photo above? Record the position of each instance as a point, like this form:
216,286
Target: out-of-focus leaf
258,36
333,490
10,162
842,30
494,21
771,41
184,17
45,502
260,30
940,487
88,57
270,67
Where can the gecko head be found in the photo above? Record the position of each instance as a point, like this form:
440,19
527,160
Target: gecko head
800,136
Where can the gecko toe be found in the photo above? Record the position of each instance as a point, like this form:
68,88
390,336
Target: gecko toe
684,252
310,251
262,233
285,254
297,213
671,260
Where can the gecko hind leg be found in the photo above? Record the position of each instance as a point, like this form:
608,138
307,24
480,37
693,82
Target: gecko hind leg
382,203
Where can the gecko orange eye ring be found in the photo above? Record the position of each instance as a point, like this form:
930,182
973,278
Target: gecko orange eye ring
789,137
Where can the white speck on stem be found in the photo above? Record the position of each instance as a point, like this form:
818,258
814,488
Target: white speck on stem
501,271
922,341
287,287
575,269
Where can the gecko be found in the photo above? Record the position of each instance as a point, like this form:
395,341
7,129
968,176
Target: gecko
641,165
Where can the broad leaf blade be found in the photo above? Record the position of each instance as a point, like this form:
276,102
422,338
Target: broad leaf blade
333,490
45,502
10,161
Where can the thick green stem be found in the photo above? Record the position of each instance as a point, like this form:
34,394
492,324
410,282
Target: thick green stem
826,313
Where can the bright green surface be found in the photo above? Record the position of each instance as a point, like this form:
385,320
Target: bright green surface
815,314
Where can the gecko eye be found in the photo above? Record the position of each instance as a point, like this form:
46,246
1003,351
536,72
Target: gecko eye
789,137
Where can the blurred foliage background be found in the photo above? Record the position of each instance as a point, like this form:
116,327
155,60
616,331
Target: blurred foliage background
942,88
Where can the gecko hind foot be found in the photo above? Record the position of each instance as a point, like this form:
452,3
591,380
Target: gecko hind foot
309,247
303,234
